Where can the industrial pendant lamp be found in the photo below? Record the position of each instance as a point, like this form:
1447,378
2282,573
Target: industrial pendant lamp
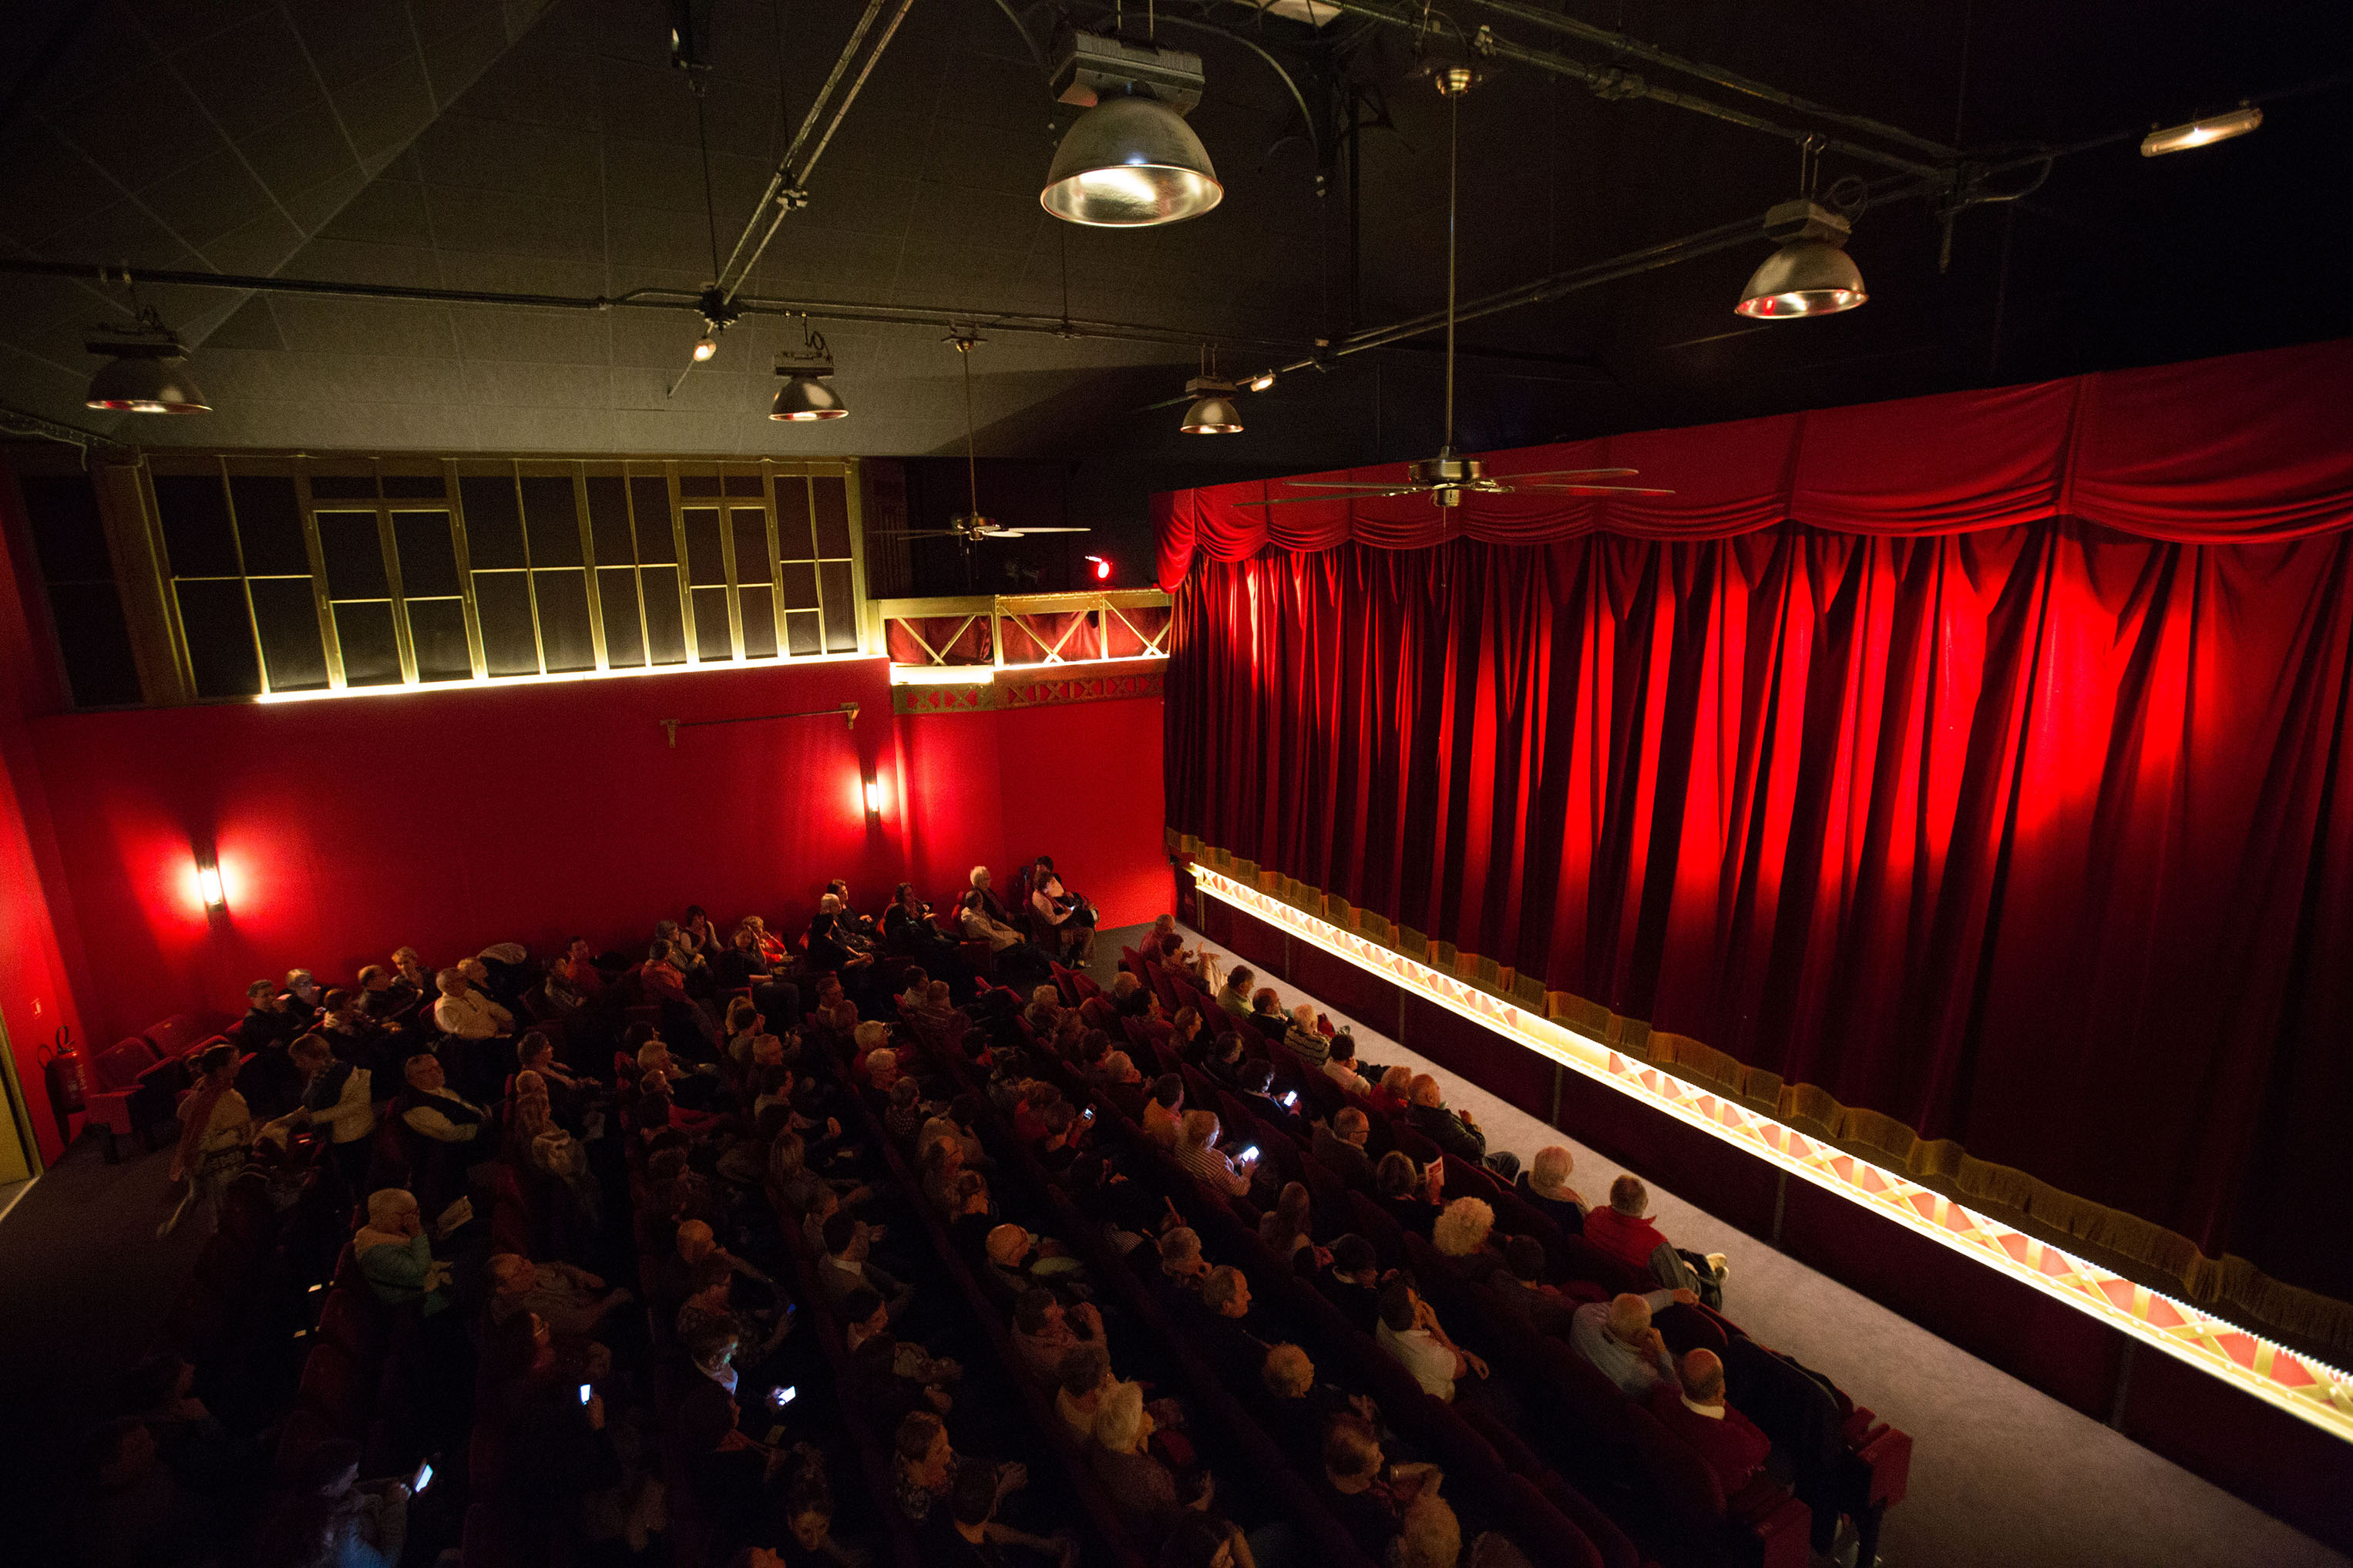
805,396
1811,274
1213,411
146,373
1130,161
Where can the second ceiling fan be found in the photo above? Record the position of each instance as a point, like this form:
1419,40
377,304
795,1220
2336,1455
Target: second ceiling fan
969,526
1447,477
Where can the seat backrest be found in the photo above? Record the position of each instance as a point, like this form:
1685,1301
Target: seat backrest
1684,1481
119,1065
1376,1225
184,1032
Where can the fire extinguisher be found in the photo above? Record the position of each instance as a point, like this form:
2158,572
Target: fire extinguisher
63,1072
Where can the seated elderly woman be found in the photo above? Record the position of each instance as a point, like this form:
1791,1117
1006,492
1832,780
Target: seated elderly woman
1303,1039
1366,1493
1545,1184
1283,1230
1146,1492
1460,1233
1394,1093
1131,998
1408,1192
1181,1263
924,1467
395,1256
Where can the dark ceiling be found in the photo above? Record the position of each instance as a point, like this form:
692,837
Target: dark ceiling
546,145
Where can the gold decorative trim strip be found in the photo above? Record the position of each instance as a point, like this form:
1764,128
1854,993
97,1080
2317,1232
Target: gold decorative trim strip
1614,1054
1024,690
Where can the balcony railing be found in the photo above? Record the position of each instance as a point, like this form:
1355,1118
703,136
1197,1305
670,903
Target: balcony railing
967,638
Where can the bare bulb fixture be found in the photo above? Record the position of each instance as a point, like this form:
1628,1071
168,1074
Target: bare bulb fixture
1263,380
1810,274
146,371
704,347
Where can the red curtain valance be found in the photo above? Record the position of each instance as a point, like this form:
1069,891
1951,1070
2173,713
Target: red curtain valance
2245,447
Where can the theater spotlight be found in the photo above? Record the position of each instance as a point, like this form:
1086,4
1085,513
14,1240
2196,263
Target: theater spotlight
1811,274
1130,161
1100,567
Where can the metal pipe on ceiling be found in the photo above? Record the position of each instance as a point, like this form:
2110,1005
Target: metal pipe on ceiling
1620,43
1613,82
114,274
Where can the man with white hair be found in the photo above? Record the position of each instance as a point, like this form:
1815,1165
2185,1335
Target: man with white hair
1452,1131
1303,1039
1624,1232
1617,1339
571,1301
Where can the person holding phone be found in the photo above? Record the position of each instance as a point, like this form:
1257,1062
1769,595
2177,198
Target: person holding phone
1198,1153
332,1516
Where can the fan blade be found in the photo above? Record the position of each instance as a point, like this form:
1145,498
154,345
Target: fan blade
1004,533
1335,485
1568,473
1366,495
1057,530
910,533
1589,491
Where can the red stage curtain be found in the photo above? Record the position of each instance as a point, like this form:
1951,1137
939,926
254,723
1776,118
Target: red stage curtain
2038,837
2248,448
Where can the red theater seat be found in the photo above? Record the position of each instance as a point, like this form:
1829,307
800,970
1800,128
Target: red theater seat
131,1088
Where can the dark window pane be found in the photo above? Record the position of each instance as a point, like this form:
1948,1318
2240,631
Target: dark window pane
66,531
698,484
554,518
705,565
840,609
649,499
343,486
493,526
712,638
793,540
801,585
503,602
801,634
429,560
220,639
414,487
759,608
96,642
286,616
608,521
436,629
355,555
564,620
751,530
743,482
665,624
269,526
194,511
370,652
832,498
616,601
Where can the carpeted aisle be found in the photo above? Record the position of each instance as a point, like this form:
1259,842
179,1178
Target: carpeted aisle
2000,1473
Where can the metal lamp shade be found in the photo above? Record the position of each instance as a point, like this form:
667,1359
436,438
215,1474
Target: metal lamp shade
1213,416
1129,162
805,397
143,383
1804,278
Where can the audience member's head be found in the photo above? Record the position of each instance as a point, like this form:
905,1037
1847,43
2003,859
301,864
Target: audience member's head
1264,1000
1302,1017
1124,986
1168,1091
1241,979
261,996
1226,1292
1629,1196
393,1212
1343,1049
1431,1537
1424,1090
1258,1077
695,1241
312,1053
1287,1372
1351,1452
1629,1318
1461,1227
1199,1542
1198,1129
1704,1377
1083,1369
841,1234
865,1312
1007,1245
1398,1303
937,995
1180,1250
1121,1424
1524,1256
1352,1126
451,982
1397,1175
1045,997
1353,1257
1397,1081
1035,1311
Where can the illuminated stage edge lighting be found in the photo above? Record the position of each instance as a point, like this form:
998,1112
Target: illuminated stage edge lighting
2316,1393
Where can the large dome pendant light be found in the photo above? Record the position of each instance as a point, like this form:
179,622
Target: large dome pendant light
1811,274
147,371
1130,161
805,397
1213,411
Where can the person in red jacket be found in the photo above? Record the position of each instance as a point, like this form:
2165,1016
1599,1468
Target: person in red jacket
1623,1231
1699,1415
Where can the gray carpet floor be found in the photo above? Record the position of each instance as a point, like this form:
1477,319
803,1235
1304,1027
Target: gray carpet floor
2000,1473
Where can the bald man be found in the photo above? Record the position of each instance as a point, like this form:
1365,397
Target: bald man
1619,1340
1699,1414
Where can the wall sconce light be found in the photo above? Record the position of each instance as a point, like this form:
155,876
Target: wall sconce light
873,794
208,884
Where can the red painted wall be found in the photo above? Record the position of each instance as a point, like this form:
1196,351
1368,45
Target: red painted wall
453,819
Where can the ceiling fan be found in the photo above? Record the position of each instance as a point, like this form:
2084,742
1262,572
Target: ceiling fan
1449,477
969,526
